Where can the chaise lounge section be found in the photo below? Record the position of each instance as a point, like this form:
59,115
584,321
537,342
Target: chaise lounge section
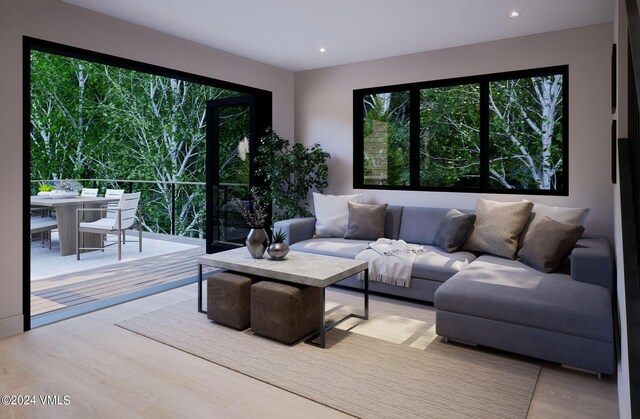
507,305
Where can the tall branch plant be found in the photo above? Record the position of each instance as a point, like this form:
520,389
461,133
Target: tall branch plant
291,171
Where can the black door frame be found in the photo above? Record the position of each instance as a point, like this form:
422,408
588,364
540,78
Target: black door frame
259,121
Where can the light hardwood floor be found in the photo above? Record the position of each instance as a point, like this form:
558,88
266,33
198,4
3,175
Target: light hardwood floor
110,372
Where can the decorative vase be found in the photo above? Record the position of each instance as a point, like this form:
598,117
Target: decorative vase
257,242
278,251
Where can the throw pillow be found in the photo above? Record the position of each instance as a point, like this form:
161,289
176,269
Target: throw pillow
497,227
564,215
366,222
332,213
548,244
454,230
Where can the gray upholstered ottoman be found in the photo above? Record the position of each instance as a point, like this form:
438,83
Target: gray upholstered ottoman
229,299
284,312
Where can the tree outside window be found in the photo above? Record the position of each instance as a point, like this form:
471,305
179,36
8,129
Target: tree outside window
492,133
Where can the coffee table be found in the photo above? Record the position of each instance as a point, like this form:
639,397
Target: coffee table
297,268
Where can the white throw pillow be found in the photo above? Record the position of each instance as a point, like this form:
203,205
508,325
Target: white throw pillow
332,213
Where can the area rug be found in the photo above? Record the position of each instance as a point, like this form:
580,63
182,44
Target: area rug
391,366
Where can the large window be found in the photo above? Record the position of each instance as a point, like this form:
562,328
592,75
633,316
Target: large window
503,133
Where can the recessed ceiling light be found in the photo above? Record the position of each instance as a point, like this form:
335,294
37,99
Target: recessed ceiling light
514,13
322,49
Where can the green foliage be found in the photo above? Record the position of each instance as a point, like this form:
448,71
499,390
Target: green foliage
90,120
279,236
291,171
525,135
386,133
449,136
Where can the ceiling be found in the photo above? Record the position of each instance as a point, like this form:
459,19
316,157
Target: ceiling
289,33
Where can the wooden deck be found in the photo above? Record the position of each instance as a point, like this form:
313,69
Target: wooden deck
68,295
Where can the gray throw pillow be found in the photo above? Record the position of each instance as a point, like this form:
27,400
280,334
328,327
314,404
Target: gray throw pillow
548,243
564,215
454,230
366,222
498,226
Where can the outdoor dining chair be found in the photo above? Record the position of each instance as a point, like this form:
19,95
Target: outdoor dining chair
42,223
125,215
89,192
111,207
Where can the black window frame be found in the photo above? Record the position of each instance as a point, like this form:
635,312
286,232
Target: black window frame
414,164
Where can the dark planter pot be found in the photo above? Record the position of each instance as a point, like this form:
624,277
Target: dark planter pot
257,242
278,251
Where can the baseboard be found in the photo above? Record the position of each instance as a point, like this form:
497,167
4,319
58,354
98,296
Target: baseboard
11,326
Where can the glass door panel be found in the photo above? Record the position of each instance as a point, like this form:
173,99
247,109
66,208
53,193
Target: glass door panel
229,136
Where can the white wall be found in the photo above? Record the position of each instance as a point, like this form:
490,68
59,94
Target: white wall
59,22
324,98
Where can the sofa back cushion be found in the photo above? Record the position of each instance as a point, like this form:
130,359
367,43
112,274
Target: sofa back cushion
419,224
332,213
392,221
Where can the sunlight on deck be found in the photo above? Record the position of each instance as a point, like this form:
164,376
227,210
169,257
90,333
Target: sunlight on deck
98,279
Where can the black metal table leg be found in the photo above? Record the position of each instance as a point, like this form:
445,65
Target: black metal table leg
320,335
366,294
200,310
322,318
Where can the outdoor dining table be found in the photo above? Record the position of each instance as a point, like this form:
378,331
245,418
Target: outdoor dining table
66,216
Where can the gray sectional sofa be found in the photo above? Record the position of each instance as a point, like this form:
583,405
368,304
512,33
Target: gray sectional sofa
563,317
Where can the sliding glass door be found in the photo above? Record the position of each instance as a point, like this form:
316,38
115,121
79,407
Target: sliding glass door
233,134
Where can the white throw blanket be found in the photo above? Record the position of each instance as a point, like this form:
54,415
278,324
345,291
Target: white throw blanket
390,261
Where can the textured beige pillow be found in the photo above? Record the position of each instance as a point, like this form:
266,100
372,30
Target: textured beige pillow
498,226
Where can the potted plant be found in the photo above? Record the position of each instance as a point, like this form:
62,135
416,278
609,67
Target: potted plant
278,248
44,189
257,239
290,171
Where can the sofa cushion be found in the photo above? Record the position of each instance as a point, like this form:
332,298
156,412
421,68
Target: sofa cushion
437,265
434,264
366,221
454,230
498,226
392,221
548,244
419,224
509,291
565,215
344,248
332,213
